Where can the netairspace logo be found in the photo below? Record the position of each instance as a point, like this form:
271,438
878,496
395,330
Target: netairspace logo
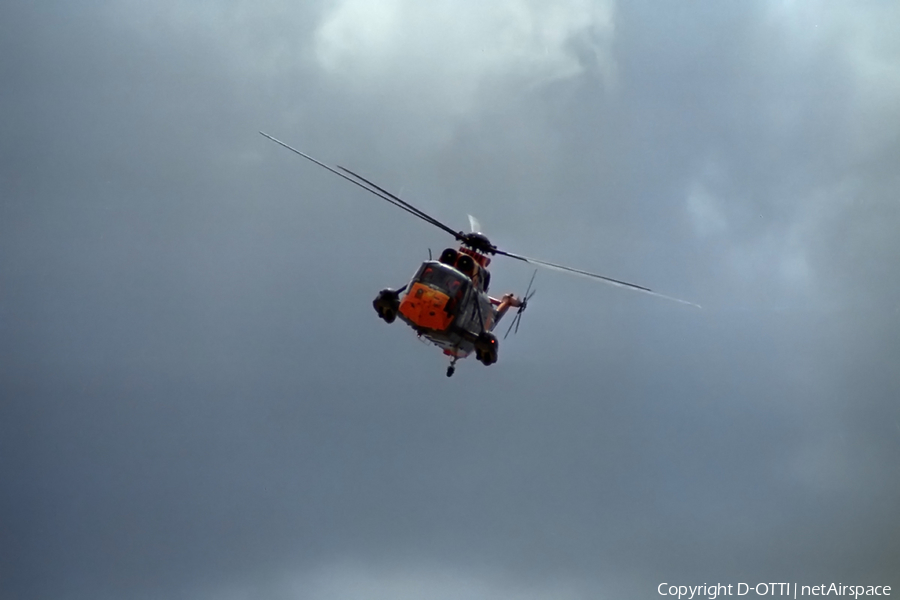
770,589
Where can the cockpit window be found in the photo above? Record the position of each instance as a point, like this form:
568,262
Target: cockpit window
442,278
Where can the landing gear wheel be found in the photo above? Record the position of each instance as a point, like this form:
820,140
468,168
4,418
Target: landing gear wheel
486,349
452,368
488,358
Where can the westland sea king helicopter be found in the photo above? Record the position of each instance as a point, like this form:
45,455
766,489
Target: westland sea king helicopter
447,302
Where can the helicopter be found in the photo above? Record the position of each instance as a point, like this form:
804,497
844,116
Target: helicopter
447,302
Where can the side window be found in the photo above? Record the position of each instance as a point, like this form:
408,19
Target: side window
421,269
454,286
428,274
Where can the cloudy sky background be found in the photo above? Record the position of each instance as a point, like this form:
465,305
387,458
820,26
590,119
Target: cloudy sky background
197,400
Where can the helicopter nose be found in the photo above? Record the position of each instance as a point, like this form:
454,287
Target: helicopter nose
424,306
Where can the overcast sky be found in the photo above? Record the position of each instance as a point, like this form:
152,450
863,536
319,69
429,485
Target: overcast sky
197,400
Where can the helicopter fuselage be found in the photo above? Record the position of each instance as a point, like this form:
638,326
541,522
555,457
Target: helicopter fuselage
447,308
447,304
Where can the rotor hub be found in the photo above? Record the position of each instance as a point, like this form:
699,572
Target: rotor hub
478,242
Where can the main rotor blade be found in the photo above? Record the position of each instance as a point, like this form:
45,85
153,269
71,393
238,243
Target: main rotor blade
383,194
609,280
390,198
403,204
474,225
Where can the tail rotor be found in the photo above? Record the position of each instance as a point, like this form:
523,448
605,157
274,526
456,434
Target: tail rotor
524,303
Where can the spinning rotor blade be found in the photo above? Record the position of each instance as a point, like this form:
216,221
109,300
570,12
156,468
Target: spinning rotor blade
528,289
515,322
474,225
401,203
367,185
589,275
518,316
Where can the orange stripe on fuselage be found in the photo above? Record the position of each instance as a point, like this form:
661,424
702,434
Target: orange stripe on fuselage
424,306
